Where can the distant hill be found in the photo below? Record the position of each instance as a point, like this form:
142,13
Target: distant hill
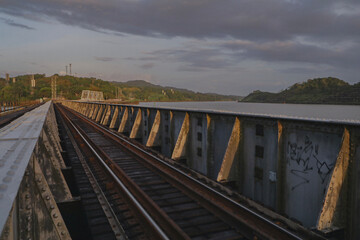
145,91
70,87
314,91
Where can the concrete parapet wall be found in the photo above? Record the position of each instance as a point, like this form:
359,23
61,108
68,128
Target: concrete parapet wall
284,164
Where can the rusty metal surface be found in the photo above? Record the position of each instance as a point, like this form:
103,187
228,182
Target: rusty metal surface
17,142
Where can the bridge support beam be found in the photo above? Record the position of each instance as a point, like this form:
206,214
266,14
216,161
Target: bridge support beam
96,110
333,213
106,116
180,146
99,113
124,120
137,126
231,154
114,119
281,168
154,135
91,112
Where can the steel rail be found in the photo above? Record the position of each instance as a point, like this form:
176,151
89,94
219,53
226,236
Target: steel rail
233,208
105,205
173,231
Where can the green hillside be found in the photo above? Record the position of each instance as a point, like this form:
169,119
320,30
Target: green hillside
315,91
70,87
142,90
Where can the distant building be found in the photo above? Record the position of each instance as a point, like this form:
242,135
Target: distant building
14,80
88,95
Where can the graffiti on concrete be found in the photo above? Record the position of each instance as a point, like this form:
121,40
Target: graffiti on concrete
303,160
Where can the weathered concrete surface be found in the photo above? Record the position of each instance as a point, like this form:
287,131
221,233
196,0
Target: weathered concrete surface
32,181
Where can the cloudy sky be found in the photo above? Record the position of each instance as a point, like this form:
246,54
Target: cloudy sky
223,46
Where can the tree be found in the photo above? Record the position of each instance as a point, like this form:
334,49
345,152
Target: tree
45,92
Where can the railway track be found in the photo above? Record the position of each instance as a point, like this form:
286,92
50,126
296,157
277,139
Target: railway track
6,118
150,198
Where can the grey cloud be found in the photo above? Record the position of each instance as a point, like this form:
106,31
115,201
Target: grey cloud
15,24
293,51
147,58
261,20
147,65
202,56
104,59
194,58
266,30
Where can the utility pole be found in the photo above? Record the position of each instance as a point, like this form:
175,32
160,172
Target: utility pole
32,84
7,77
70,68
53,87
33,81
66,69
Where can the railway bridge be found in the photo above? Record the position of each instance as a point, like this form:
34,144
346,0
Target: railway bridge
88,170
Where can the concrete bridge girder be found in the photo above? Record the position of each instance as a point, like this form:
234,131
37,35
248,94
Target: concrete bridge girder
284,164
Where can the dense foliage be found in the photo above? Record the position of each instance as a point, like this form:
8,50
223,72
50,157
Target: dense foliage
318,91
70,87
